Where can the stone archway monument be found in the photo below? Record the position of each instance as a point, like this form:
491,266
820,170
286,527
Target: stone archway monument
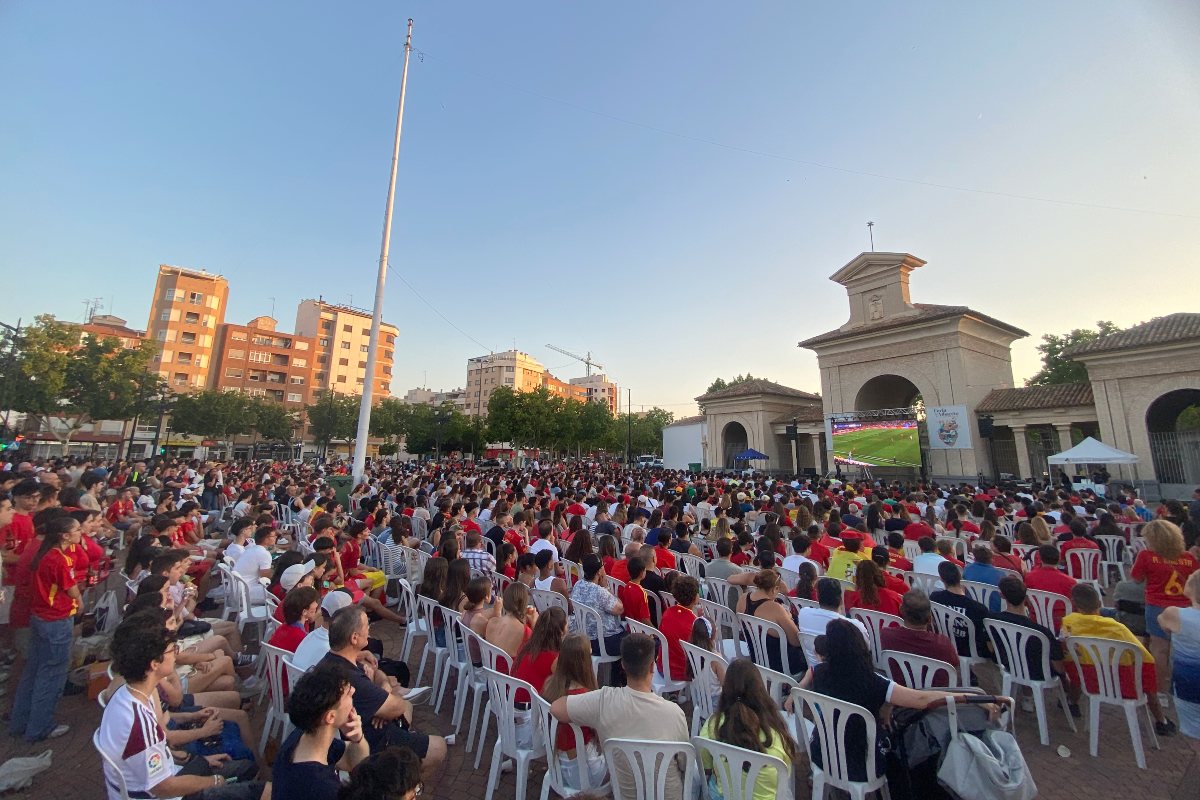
892,351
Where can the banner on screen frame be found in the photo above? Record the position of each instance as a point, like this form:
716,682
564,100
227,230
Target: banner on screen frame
949,428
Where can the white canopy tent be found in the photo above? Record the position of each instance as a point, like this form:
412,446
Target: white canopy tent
1093,451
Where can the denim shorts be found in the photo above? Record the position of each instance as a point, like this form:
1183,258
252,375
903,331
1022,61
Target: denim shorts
1152,626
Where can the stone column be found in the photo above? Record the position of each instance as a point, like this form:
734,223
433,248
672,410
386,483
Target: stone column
1022,451
816,438
795,455
1064,435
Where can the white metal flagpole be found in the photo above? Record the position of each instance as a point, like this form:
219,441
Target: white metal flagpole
364,410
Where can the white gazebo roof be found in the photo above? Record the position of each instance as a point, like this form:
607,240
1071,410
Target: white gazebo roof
1093,451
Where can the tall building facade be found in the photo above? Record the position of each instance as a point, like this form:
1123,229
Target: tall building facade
342,335
106,326
187,309
485,374
258,360
598,389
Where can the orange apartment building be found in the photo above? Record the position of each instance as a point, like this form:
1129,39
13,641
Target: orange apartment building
342,335
258,360
187,309
106,326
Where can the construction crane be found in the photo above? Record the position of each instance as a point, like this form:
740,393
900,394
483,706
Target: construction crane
587,360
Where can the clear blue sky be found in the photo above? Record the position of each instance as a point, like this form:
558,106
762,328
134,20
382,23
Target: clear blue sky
252,139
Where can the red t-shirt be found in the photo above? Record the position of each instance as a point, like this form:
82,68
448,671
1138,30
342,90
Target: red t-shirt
915,530
16,534
120,508
516,540
22,587
1007,561
1049,579
897,585
577,509
664,558
469,525
969,527
889,601
351,555
820,553
55,574
896,559
741,558
676,626
566,737
288,637
534,671
633,598
1164,577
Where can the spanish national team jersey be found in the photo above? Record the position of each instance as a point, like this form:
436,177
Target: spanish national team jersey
132,738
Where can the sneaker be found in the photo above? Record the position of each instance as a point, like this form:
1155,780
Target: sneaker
1075,711
506,765
450,740
59,730
1164,700
415,694
1165,728
1027,704
244,660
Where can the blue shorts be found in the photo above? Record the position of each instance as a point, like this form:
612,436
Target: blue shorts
1152,626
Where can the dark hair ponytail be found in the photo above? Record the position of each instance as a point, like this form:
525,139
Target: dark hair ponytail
53,533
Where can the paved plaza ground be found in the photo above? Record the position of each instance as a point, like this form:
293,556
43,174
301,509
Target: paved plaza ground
76,771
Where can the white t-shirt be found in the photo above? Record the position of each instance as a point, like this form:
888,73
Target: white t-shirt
235,550
544,544
252,561
794,561
312,648
927,563
132,738
240,510
813,621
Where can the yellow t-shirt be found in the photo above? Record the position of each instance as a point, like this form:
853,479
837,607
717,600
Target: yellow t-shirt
764,787
843,564
1095,625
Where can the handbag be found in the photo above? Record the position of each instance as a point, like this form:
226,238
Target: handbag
984,767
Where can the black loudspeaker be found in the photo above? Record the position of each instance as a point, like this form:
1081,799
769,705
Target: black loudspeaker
791,431
985,427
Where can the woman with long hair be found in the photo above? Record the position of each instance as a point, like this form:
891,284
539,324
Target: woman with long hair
747,717
806,584
871,592
1164,567
1004,558
573,674
606,548
720,529
1041,530
513,626
54,598
581,542
433,585
458,575
535,659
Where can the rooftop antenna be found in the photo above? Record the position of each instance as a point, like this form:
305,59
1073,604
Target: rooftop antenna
871,233
272,308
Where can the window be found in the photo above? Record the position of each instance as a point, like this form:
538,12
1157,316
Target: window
184,358
326,325
343,362
237,353
387,370
321,377
348,328
265,341
238,336
180,379
297,380
341,378
294,398
322,359
508,380
359,381
323,342
165,316
299,362
391,339
257,392
366,331
362,365
187,338
172,295
195,298
364,348
161,335
191,318
279,360
387,355
345,345
257,375
260,356
301,345
508,369
233,372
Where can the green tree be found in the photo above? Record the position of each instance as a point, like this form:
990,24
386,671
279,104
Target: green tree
333,416
721,383
63,381
390,420
1057,368
505,416
213,414
1188,419
272,421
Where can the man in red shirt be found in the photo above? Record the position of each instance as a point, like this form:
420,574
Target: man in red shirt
469,522
915,530
677,622
518,535
896,557
1045,577
632,595
19,530
915,637
1079,541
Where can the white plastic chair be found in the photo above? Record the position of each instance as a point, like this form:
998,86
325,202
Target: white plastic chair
1012,652
1112,549
875,622
469,679
737,769
556,777
456,655
495,659
911,549
723,619
662,681
113,778
803,602
1106,656
690,565
758,632
722,591
704,687
1083,564
277,717
830,718
427,607
779,686
249,612
543,599
501,691
407,607
1042,606
983,593
918,672
648,761
925,582
584,614
955,625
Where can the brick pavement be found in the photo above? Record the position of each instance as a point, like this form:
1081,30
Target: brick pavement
76,771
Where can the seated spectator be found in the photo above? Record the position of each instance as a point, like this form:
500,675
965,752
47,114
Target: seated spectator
927,562
763,601
592,592
895,548
746,716
320,706
1005,558
801,545
871,591
983,571
633,711
573,675
915,635
386,714
315,644
535,659
882,557
1086,620
1016,612
677,623
846,558
632,595
814,621
847,673
1046,577
1080,539
477,556
300,608
513,626
552,575
806,583
945,548
133,729
394,774
955,596
915,531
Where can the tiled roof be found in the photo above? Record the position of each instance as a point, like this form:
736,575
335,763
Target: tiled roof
801,414
756,386
928,312
687,421
1033,397
1161,330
